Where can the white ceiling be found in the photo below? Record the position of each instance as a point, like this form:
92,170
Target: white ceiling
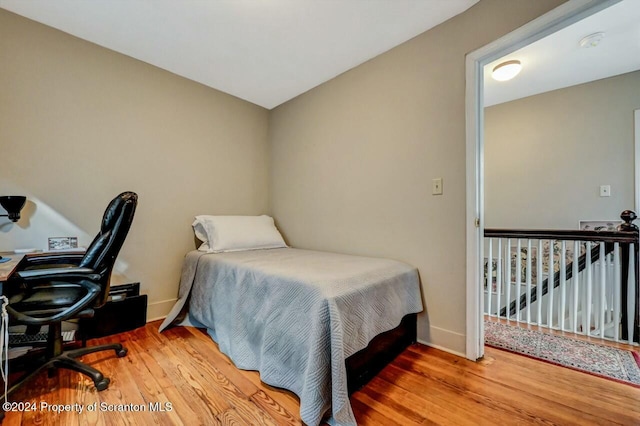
558,61
263,51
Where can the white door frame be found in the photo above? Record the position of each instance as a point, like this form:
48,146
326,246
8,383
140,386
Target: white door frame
558,18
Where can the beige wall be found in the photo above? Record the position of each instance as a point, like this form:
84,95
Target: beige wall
79,124
547,155
352,160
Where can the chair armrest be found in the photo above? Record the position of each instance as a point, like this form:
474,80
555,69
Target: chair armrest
42,259
58,274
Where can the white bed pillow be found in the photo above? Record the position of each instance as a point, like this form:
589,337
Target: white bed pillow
234,233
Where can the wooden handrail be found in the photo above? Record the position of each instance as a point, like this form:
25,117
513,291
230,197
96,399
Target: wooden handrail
627,232
562,234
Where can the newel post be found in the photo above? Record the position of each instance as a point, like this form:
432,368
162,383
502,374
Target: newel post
628,217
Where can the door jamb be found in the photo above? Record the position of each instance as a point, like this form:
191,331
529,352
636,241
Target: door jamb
556,19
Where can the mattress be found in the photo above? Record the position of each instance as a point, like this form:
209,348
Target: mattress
295,315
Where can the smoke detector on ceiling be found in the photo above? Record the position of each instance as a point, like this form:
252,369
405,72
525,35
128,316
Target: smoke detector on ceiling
592,40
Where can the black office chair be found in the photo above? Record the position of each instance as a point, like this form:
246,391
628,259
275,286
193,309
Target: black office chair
52,289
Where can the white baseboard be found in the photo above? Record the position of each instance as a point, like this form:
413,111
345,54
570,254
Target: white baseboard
444,340
159,310
442,348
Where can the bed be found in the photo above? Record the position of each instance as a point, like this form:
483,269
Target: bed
299,317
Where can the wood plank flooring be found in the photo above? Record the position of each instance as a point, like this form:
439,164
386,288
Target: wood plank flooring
183,372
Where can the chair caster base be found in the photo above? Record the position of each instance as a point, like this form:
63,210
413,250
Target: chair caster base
122,352
102,384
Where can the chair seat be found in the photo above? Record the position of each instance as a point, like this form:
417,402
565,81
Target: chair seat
45,300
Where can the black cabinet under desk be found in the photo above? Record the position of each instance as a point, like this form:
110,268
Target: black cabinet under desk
125,310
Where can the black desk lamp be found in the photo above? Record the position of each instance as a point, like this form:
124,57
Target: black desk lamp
12,204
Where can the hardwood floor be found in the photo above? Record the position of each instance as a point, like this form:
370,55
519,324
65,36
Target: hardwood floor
183,372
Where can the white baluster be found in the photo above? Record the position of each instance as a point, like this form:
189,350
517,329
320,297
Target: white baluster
508,280
563,285
603,286
576,285
489,279
528,278
587,309
550,286
518,277
608,316
499,277
539,283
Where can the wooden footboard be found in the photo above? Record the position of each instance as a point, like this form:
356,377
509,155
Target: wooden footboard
365,364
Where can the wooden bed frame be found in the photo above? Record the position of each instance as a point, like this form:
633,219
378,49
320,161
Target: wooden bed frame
365,364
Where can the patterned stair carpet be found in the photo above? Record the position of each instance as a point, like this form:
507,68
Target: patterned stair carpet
612,363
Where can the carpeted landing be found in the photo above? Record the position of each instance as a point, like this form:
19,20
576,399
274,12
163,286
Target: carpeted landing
609,362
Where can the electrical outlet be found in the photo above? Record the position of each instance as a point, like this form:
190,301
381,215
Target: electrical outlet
605,190
436,187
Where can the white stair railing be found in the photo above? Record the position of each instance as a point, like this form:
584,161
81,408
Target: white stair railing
583,282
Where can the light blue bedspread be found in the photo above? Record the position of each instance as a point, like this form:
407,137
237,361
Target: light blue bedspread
296,315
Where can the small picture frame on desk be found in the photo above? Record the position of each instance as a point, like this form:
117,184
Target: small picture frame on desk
63,243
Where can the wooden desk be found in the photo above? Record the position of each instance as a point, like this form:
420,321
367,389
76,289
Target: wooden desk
7,268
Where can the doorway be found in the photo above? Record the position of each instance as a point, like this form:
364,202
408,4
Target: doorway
559,18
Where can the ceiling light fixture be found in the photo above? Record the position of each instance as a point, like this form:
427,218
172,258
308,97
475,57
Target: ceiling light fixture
592,40
506,70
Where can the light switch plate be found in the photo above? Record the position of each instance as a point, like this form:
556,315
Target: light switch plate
436,186
605,190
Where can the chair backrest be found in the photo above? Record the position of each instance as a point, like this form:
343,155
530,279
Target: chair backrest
103,250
